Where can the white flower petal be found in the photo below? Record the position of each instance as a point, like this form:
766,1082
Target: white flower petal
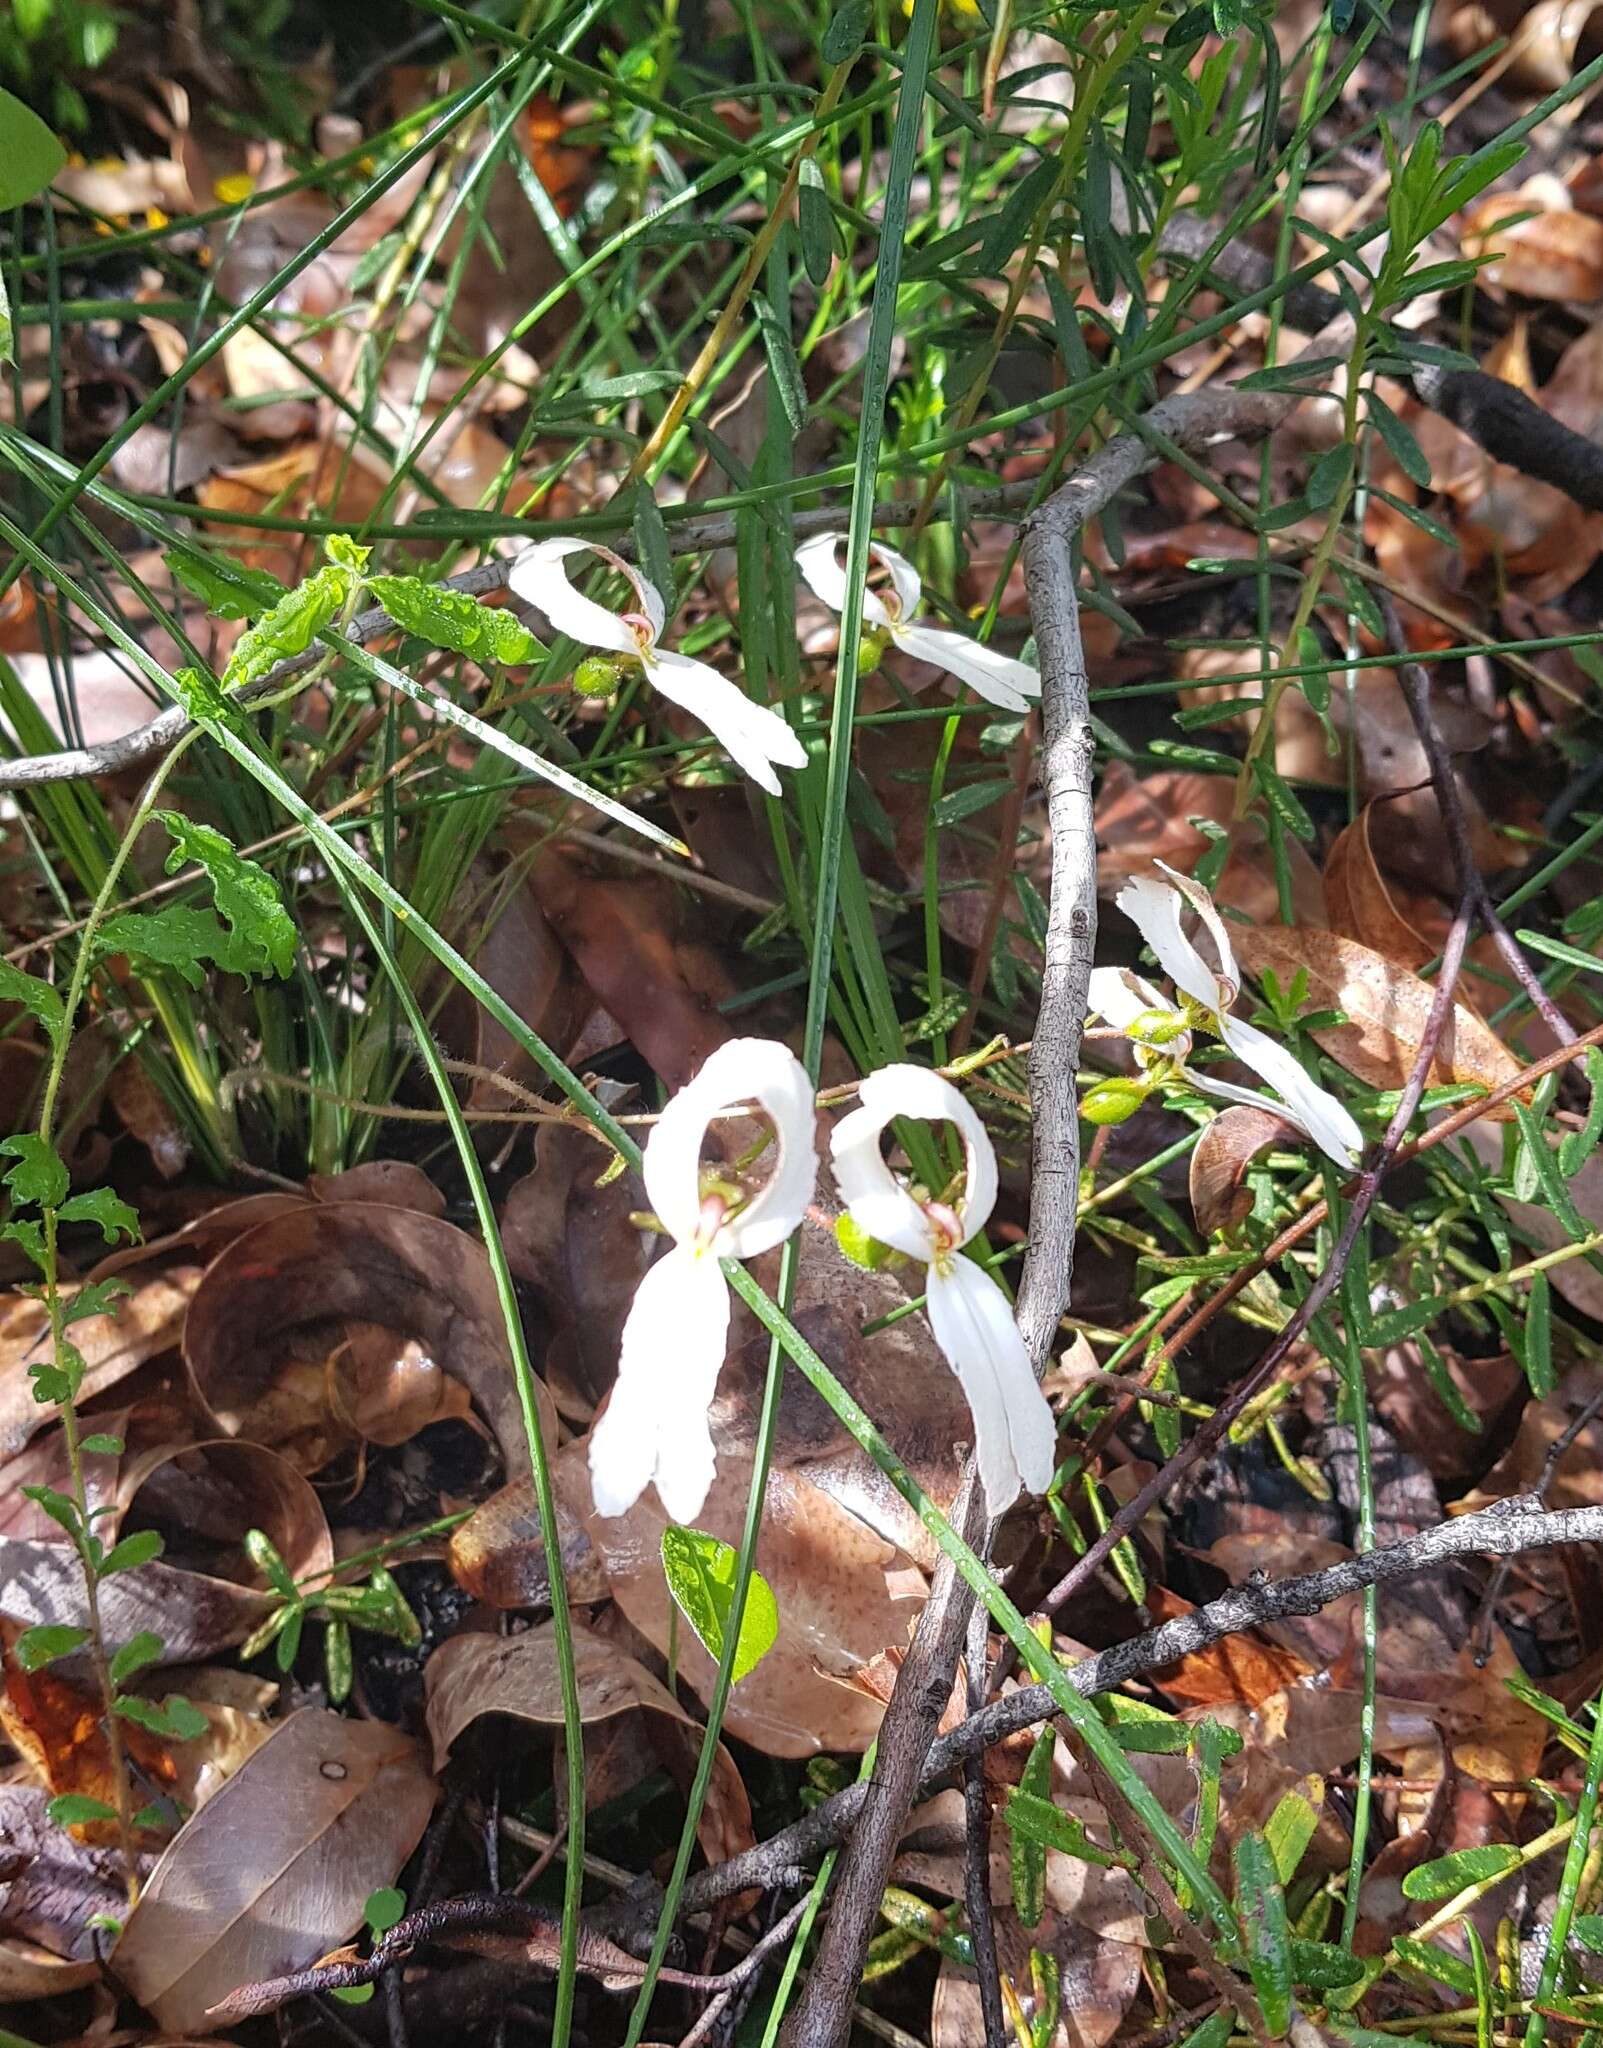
655,1424
905,579
1015,1437
1118,996
1328,1122
822,571
539,578
1000,680
753,736
763,1071
1202,903
1153,907
869,1188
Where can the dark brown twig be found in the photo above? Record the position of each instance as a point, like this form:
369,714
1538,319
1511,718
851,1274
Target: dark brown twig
1481,1634
977,1845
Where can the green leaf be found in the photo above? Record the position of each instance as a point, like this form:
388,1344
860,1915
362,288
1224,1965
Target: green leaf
1576,1147
1448,1875
1026,1856
701,1577
30,155
37,1647
178,937
74,1809
1587,1928
1329,474
973,797
1262,1905
225,587
1217,2028
848,25
1039,1821
337,1661
815,218
94,1298
8,353
109,1211
384,1908
135,1655
263,1554
784,366
289,627
142,1548
99,1445
1538,1359
61,1509
1410,458
32,17
173,1718
452,619
1282,799
262,933
40,1177
1292,1826
1321,1966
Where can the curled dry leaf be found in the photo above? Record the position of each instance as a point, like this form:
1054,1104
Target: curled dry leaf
498,1553
1556,254
1220,1196
304,1292
1097,1983
474,1674
1360,903
144,1323
1386,1008
275,1869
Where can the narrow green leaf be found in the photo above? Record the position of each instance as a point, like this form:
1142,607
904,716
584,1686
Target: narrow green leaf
1262,1906
137,1654
75,1809
1282,799
1027,1856
1293,1825
1039,1821
1576,1147
453,620
1411,459
1447,1875
1539,1337
784,366
848,25
142,1548
815,219
1322,1966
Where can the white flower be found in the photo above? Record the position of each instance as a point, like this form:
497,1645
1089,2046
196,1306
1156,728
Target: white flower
751,734
1121,998
1014,685
655,1425
1015,1437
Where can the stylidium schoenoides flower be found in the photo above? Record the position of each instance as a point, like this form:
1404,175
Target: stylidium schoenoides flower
1015,1438
1013,685
754,737
655,1425
1161,1030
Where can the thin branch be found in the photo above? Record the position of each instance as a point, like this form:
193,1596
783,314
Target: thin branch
1509,1528
977,1845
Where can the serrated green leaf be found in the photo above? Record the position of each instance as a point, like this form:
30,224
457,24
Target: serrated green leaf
142,1548
39,1179
135,1655
77,1809
701,1577
30,155
262,933
1445,1876
289,626
94,1298
178,937
100,1206
173,1718
37,1647
225,587
1262,1906
453,620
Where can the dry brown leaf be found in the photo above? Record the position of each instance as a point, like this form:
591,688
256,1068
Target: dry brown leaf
1240,1671
27,1973
275,1869
475,1674
1097,1982
1556,254
1359,902
58,1732
1386,1008
296,1292
498,1553
1220,1196
148,1321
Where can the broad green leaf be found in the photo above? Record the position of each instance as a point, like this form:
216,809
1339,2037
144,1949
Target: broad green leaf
60,1507
39,1177
262,933
384,1908
451,619
37,1647
30,155
135,1655
1262,1905
289,627
109,1211
35,996
1322,1966
1447,1875
178,937
225,587
701,1577
173,1718
142,1548
75,1809
99,1445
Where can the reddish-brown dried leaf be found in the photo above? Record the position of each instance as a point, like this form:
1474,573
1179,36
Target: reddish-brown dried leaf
1220,1196
1553,255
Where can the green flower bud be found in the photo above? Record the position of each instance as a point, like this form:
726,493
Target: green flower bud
871,650
596,676
1159,1027
859,1247
1112,1101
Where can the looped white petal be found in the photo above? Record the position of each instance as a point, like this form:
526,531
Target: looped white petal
759,1070
1015,1437
876,1199
539,578
655,1425
1118,996
1202,903
1313,1109
998,678
819,561
1153,907
753,736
